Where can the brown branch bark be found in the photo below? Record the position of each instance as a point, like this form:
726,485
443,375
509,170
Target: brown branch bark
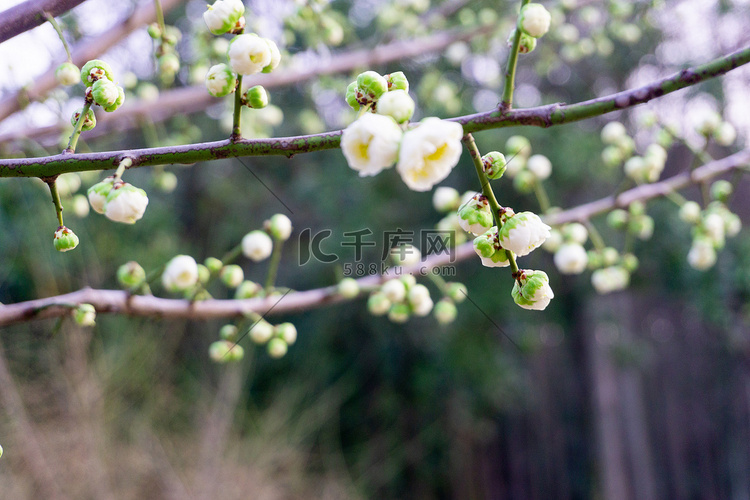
30,14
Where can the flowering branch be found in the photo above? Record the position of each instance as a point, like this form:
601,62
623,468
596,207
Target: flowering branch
31,14
542,116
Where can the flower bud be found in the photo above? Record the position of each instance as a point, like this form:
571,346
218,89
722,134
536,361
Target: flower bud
518,145
277,348
154,31
456,291
524,181
394,290
406,255
131,274
248,54
571,258
445,199
275,56
279,227
65,239
89,120
378,304
399,313
287,332
690,212
396,104
232,275
104,92
526,43
613,132
256,97
618,219
84,315
67,74
220,80
534,20
261,332
637,208
721,190
351,96
213,264
702,254
576,233
475,215
229,333
257,245
540,166
610,279
247,290
180,274
94,70
372,85
445,311
224,351
418,294
522,233
610,256
642,227
348,288
612,156
169,65
630,262
493,164
531,290
725,134
397,81
423,308
125,203
80,206
204,275
553,241
223,16
488,248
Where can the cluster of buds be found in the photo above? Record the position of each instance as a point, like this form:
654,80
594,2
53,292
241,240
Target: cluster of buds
369,87
570,256
619,145
118,200
634,220
647,168
401,298
525,169
167,58
98,78
276,338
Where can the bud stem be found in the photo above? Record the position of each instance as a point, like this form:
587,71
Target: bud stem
56,199
596,238
510,71
541,195
124,164
236,132
273,267
160,17
59,34
77,129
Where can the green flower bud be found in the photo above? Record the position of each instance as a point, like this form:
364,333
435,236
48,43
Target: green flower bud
348,288
595,259
213,264
277,348
526,43
610,256
287,332
637,208
494,164
279,227
169,65
475,216
247,290
378,304
89,120
275,56
261,332
445,311
399,313
524,181
642,227
531,290
618,219
94,70
104,92
351,96
224,351
612,156
84,315
398,105
397,81
256,97
154,31
131,274
232,275
65,239
118,102
229,333
518,145
203,274
456,291
690,212
721,190
372,85
67,74
630,262
534,20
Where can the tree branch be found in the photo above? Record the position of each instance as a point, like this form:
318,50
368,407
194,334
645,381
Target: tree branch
30,14
120,302
83,52
543,116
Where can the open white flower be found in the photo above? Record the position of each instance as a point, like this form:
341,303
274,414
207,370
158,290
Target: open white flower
571,258
125,203
223,15
370,144
532,291
257,245
180,274
248,54
429,152
522,233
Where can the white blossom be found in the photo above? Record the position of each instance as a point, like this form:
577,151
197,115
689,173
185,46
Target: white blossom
571,258
98,193
222,16
248,54
429,152
394,290
702,254
522,233
532,291
220,80
610,279
534,20
445,199
540,166
397,104
180,274
371,143
257,245
474,215
125,203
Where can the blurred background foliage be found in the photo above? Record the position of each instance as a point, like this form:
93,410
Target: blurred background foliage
642,394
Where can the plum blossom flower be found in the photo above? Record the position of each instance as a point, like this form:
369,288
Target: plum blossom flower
522,233
429,152
531,290
371,143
